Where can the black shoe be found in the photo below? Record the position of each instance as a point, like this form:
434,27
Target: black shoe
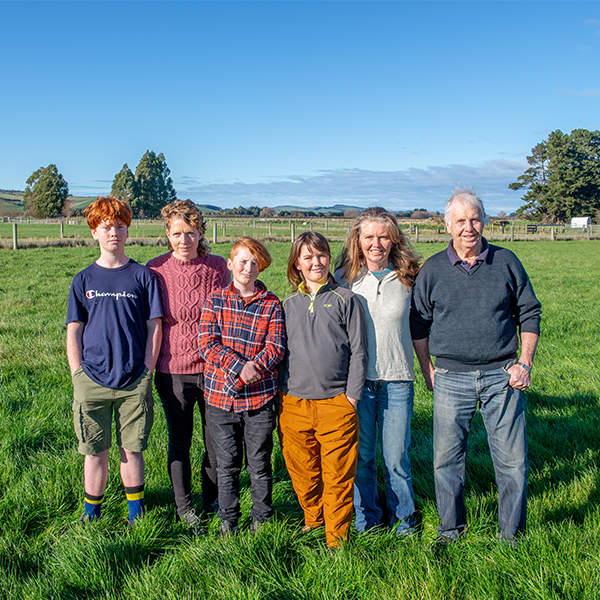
193,522
87,519
256,525
227,528
442,543
511,544
213,507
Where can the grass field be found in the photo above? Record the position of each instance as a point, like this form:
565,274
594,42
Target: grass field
44,554
75,232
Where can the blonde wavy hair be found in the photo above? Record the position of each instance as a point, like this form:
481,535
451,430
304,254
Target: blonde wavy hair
404,260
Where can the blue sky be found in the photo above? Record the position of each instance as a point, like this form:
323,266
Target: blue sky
305,103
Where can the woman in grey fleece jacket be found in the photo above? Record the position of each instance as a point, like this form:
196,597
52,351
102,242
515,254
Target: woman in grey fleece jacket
378,265
322,378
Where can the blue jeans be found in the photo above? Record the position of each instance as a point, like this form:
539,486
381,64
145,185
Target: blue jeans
389,406
456,396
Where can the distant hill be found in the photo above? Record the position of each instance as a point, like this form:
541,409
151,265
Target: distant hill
208,208
11,202
320,209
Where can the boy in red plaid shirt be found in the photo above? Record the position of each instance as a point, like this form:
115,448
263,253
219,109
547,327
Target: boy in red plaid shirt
242,340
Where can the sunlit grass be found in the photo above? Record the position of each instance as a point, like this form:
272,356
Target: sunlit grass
44,554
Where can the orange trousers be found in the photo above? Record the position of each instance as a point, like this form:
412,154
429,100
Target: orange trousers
319,441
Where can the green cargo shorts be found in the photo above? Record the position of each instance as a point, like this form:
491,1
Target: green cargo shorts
95,405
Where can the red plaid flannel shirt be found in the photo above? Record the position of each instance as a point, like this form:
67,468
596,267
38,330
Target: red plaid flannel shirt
232,333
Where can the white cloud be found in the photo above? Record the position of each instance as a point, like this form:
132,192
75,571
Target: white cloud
407,189
585,93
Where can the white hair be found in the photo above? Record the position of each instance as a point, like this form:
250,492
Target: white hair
465,196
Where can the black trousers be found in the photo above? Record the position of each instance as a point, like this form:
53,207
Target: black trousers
179,394
231,433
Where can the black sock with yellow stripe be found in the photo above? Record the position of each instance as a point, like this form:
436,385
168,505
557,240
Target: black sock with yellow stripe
135,500
93,505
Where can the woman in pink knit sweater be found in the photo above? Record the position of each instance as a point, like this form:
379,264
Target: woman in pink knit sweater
185,276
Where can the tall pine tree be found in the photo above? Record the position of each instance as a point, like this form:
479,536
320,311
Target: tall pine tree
149,189
563,180
123,186
153,186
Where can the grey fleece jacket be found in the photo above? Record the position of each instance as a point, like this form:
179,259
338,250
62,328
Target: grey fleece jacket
326,344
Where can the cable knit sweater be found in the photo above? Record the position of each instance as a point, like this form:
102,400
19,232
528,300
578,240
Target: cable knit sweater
184,286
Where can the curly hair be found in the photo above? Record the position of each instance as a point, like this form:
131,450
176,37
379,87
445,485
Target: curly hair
108,209
186,211
403,259
256,248
312,239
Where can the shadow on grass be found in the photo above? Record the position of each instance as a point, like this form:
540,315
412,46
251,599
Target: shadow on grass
564,454
92,562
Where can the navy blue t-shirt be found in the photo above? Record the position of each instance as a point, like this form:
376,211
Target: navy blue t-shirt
114,305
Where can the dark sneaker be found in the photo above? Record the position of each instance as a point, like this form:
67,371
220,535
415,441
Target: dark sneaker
512,543
256,525
133,523
441,544
228,528
85,519
193,522
213,507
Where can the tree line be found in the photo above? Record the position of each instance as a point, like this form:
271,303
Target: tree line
563,179
147,191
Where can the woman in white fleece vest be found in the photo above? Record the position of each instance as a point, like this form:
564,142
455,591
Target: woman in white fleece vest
379,267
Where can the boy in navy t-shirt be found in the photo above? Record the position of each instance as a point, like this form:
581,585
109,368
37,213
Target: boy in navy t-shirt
113,338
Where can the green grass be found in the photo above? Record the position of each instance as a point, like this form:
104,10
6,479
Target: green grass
44,554
228,229
76,231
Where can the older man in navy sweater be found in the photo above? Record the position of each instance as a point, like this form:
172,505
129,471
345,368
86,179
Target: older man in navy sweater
471,304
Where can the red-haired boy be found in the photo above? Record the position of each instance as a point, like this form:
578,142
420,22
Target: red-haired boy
242,340
113,338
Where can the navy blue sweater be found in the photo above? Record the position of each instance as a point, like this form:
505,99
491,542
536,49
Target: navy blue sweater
473,318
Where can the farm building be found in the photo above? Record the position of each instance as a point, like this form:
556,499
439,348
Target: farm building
581,222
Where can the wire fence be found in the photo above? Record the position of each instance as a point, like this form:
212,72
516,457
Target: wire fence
27,232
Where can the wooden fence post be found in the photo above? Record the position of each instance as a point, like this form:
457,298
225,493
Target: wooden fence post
552,237
270,231
15,240
215,232
512,232
293,230
416,234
